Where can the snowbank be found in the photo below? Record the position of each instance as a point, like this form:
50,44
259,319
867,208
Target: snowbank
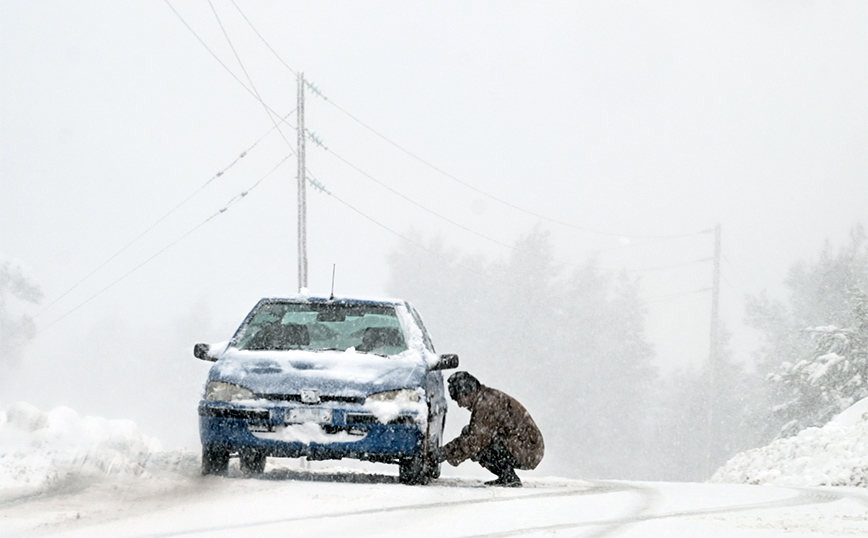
834,455
42,450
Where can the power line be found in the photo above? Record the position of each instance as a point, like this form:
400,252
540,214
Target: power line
474,232
443,172
417,204
465,228
159,220
246,74
663,298
491,196
430,165
728,284
391,142
479,234
214,55
222,210
291,70
738,275
670,266
405,238
651,242
487,275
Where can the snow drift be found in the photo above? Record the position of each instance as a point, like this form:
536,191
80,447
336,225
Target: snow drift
44,450
834,455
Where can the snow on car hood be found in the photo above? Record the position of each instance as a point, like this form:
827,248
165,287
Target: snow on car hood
334,373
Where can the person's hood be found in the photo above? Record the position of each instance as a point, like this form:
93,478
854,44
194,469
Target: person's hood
333,373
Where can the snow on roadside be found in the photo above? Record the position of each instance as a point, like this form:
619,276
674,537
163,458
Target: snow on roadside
834,455
42,450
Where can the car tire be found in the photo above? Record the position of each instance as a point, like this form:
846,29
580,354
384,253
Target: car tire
252,462
419,470
434,469
413,471
215,460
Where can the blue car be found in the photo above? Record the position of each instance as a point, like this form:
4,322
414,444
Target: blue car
325,378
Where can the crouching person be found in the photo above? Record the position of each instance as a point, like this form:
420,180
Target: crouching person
501,436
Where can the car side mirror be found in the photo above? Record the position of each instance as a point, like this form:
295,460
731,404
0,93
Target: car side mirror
201,351
446,362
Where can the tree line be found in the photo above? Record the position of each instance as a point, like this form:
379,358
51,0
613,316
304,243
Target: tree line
572,345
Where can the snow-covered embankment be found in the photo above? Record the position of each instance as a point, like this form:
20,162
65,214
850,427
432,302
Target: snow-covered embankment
42,450
834,455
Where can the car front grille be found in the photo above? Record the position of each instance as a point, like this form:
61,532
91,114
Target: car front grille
405,420
229,412
325,398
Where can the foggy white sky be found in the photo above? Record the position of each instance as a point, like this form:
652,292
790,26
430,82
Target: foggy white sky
633,118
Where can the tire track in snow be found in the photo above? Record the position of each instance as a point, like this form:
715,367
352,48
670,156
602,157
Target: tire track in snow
611,526
855,496
593,489
649,497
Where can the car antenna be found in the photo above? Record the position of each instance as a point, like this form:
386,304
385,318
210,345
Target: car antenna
331,298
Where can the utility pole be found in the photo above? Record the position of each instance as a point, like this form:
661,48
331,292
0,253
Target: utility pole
715,299
302,194
714,351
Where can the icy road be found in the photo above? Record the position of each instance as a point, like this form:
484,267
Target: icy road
336,502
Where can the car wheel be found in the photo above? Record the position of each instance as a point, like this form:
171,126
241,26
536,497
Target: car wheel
413,471
252,462
215,460
434,469
418,470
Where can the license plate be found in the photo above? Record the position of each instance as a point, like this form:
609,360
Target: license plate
256,427
310,414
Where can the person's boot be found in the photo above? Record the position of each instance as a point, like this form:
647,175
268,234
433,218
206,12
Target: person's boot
507,480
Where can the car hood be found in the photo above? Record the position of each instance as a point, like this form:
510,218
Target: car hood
333,373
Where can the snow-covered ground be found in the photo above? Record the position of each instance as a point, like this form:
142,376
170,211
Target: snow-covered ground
66,475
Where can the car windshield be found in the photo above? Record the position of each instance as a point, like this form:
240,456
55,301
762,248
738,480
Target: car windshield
323,326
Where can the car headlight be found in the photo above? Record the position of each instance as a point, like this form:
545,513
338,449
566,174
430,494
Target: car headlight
397,396
218,391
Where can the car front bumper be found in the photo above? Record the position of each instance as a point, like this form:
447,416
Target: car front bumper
351,433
